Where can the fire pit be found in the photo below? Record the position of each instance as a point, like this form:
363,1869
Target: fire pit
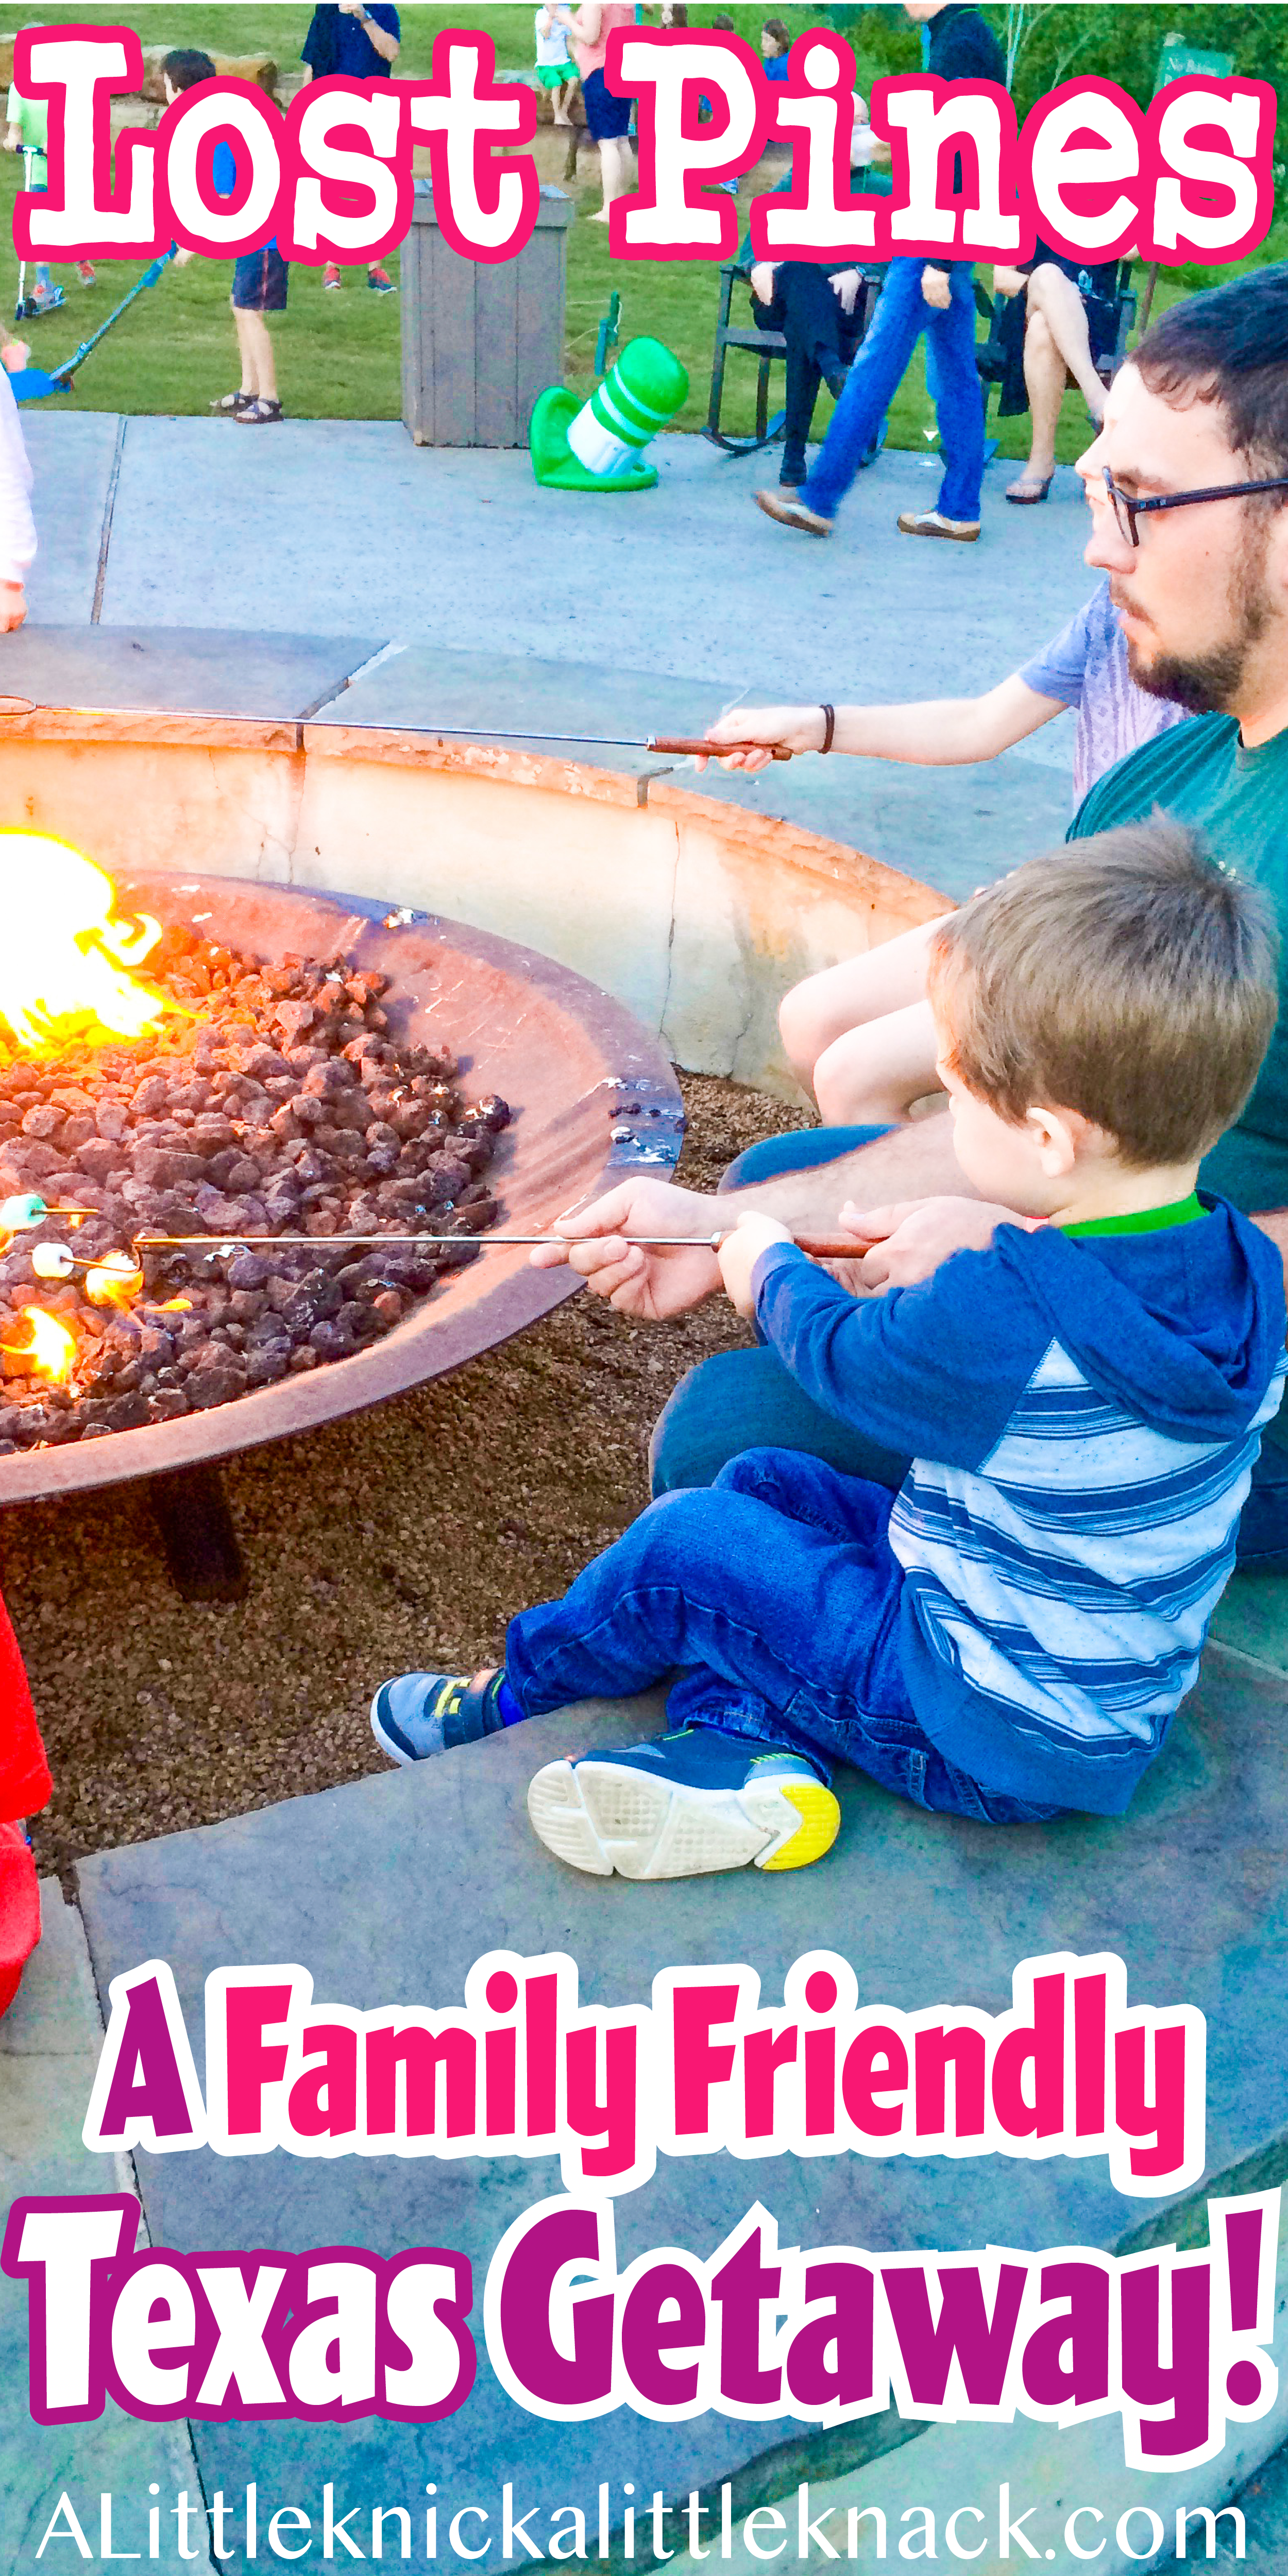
589,1092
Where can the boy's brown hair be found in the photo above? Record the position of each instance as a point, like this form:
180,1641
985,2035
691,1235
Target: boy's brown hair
1127,976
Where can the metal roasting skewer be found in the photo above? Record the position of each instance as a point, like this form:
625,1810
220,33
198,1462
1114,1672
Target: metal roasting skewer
680,744
819,1247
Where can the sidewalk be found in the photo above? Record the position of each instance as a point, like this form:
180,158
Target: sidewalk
668,605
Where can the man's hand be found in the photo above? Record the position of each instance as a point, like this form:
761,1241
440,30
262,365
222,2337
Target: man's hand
795,728
936,287
13,606
650,1284
762,281
846,284
740,1252
910,1238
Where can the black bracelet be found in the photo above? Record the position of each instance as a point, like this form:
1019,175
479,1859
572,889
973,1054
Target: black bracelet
829,727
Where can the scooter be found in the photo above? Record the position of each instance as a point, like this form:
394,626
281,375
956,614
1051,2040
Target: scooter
35,384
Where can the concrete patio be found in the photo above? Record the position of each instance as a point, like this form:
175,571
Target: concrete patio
339,574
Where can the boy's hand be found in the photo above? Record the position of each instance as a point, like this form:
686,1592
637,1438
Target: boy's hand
936,287
912,1237
740,1252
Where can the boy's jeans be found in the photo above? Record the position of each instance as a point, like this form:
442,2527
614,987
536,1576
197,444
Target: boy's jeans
778,1596
740,1400
901,316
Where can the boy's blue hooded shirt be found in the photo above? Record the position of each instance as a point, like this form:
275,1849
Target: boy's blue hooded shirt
1083,1414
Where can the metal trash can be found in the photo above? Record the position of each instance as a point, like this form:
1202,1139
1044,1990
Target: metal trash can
480,338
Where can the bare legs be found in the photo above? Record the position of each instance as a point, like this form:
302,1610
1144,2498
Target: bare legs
618,171
255,344
860,1034
1056,346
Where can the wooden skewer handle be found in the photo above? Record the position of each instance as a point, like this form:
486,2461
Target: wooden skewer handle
840,1247
715,750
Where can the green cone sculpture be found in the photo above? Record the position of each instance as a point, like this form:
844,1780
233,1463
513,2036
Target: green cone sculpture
597,446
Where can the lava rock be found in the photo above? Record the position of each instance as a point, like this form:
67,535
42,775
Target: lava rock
218,1381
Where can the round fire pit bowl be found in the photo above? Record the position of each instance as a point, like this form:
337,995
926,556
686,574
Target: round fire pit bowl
593,1095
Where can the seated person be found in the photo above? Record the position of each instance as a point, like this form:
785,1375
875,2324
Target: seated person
1010,1636
818,305
1057,325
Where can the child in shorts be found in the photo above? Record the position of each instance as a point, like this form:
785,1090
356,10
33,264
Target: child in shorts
260,277
1009,1636
556,70
27,131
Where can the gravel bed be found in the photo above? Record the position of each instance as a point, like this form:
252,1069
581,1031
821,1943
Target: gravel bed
400,1538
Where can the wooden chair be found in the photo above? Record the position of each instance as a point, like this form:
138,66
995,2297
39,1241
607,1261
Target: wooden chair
769,348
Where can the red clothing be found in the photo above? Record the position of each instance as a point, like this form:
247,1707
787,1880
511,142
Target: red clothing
25,1784
590,58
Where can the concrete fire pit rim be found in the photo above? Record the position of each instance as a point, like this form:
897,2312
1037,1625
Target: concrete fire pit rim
374,1376
759,836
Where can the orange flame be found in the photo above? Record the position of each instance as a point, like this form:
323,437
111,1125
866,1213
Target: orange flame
65,957
50,1352
114,1281
176,1306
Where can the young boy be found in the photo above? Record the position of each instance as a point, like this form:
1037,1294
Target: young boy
556,70
1011,1634
260,277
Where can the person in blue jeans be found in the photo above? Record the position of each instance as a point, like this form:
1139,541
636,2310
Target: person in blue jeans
903,312
936,297
1082,1400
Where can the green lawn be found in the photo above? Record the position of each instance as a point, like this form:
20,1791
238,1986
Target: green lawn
338,355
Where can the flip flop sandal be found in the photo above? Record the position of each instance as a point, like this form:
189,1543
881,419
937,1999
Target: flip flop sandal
1026,495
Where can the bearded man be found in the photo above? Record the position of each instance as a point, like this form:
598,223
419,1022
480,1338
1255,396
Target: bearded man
1187,485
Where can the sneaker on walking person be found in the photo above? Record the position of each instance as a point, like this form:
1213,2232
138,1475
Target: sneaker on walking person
791,512
85,273
331,275
932,523
380,281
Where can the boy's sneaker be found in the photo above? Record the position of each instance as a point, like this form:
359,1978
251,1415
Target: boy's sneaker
331,273
85,274
419,1714
45,300
257,414
380,282
690,1801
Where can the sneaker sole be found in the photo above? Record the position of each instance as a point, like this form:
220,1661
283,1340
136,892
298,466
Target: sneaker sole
954,536
606,1817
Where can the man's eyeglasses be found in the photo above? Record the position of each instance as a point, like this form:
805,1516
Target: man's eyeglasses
1127,511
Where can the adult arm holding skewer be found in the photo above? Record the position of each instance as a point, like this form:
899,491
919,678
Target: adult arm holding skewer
904,1199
